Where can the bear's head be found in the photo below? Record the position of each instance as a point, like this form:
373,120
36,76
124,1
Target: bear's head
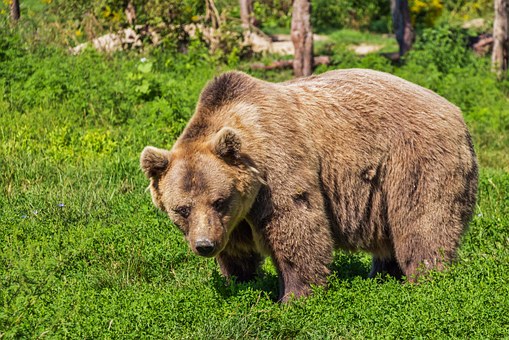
206,188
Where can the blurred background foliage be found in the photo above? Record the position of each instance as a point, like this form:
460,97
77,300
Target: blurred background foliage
70,22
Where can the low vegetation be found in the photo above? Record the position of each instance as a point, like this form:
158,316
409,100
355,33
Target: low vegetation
84,254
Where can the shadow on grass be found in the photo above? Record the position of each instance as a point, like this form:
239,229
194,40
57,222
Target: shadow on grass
345,267
264,282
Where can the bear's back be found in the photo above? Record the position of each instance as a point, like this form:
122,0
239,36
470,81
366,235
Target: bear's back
374,94
360,109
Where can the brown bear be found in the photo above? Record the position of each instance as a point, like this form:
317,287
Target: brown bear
351,159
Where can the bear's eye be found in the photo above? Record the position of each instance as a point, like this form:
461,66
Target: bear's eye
220,204
183,211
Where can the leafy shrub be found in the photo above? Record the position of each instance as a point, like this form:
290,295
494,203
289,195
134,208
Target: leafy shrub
93,15
443,48
273,14
356,14
69,23
468,9
425,12
441,61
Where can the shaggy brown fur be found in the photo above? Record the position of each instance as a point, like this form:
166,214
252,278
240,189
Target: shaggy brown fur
351,159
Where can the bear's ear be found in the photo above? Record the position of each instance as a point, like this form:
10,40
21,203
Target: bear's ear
154,161
227,144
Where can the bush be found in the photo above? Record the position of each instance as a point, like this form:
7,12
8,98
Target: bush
425,12
94,90
356,14
443,48
273,14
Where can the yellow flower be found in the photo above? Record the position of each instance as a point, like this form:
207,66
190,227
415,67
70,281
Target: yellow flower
427,10
417,6
116,16
106,11
437,4
78,33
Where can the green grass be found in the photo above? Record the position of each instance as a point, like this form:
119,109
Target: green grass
352,37
84,254
347,38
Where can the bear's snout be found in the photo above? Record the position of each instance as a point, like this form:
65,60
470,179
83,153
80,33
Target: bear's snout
205,247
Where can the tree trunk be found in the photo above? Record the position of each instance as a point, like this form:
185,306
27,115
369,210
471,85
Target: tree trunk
302,38
15,10
402,25
246,14
130,13
212,14
499,58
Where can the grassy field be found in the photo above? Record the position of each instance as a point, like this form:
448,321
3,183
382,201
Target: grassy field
84,254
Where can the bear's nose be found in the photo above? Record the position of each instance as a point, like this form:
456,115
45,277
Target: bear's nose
204,247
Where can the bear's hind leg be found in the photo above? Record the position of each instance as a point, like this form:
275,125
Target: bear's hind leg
427,222
416,255
426,238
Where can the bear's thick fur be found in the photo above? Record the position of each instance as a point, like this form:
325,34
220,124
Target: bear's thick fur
351,159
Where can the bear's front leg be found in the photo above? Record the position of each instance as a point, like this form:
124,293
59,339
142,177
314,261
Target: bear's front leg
301,246
243,266
240,257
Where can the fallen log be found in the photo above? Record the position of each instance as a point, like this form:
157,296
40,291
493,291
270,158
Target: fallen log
481,44
320,60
